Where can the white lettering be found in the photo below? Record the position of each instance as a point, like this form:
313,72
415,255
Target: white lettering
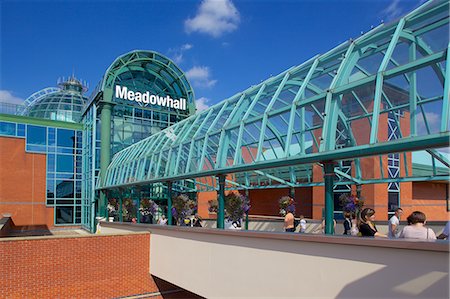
145,97
122,92
161,101
137,97
176,104
131,95
153,99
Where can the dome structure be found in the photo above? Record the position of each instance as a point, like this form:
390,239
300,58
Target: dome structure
64,103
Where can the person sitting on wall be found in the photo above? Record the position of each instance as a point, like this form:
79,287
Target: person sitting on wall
367,226
322,225
417,229
394,222
197,222
347,222
162,220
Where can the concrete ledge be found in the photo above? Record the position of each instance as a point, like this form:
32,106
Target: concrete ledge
439,245
34,238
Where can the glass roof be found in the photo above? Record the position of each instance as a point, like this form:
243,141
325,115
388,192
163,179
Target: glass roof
64,104
336,106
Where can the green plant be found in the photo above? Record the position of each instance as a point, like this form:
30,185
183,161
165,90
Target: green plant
287,204
236,206
182,207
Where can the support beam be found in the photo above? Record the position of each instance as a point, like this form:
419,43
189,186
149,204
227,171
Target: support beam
120,206
169,203
105,156
329,197
221,201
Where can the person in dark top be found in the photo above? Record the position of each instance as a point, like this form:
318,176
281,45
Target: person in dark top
197,222
367,226
347,222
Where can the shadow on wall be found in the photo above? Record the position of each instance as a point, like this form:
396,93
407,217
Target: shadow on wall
9,229
372,272
170,291
407,285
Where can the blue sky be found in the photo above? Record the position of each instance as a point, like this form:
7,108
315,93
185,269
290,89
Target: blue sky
223,46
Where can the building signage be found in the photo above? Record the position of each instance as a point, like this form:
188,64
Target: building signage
146,98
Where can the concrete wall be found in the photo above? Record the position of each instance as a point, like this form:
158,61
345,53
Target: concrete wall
218,264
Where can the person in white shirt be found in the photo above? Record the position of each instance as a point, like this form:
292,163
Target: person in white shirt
394,222
302,224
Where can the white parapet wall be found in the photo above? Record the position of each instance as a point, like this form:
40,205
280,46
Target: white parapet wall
239,264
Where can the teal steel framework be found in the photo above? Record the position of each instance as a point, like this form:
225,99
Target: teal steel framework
144,71
324,111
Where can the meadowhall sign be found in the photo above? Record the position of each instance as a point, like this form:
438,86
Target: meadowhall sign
146,98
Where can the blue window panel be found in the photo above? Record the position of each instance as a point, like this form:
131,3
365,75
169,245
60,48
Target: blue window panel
51,163
64,163
36,135
8,129
64,189
66,138
63,150
21,130
52,136
36,148
50,188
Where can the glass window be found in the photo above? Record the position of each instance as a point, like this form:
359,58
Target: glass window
64,189
36,135
64,215
138,112
7,128
66,138
51,138
21,130
50,162
64,163
50,188
393,201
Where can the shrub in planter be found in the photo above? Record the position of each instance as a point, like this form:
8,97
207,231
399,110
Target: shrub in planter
287,205
236,207
182,208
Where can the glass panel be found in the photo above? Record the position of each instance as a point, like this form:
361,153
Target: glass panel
64,215
64,189
8,129
64,163
36,135
66,138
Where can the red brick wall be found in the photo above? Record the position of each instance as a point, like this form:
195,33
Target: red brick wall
22,184
78,267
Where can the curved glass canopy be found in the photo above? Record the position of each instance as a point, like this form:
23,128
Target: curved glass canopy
384,92
65,103
142,70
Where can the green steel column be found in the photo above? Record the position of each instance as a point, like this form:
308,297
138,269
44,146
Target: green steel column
329,197
221,200
120,207
246,215
169,203
105,152
138,214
